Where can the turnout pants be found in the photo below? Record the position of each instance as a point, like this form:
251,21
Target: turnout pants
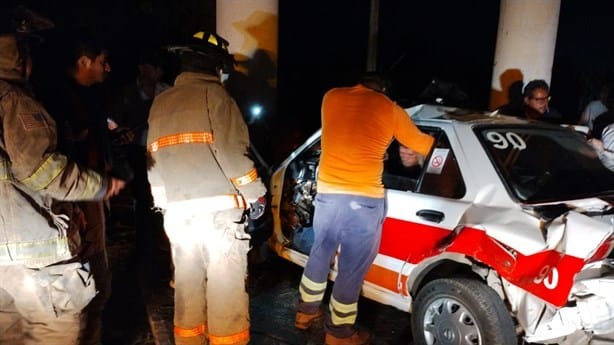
42,306
350,227
209,251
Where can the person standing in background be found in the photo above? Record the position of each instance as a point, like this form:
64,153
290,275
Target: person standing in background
83,135
130,111
595,107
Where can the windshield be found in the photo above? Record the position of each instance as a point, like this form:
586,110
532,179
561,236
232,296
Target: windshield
540,164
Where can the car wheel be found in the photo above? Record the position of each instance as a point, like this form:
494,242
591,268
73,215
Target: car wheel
460,311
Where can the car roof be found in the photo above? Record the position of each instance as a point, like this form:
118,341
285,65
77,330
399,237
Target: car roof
461,115
423,113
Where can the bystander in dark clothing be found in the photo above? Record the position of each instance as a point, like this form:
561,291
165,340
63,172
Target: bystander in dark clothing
130,111
83,136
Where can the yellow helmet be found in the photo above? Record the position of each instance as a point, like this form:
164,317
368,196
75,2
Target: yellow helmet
209,45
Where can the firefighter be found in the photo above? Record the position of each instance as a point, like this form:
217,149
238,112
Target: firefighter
43,283
202,177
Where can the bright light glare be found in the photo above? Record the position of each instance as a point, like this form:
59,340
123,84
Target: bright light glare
256,111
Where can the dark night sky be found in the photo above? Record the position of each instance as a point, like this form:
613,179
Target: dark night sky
324,44
452,41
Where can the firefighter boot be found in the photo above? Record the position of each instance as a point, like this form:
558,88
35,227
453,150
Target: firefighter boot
304,321
358,338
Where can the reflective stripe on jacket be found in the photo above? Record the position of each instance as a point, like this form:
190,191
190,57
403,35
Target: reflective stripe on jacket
199,141
32,174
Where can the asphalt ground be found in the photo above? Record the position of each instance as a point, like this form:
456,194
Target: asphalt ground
140,310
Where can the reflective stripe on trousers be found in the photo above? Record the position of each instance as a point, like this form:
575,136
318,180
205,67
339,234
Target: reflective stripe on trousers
210,257
349,226
199,335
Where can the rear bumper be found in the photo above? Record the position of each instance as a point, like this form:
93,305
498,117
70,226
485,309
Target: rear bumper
588,317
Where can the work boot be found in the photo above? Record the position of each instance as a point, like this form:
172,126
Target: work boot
358,338
304,321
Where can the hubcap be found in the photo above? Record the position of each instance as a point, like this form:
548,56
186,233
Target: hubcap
448,322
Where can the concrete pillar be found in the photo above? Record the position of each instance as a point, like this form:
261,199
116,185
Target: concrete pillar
251,26
526,41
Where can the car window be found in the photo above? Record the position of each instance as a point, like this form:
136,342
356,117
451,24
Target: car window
439,175
539,164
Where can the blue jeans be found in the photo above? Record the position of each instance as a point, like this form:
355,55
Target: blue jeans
352,224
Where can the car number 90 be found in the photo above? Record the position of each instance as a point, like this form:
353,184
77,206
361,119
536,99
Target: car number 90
503,141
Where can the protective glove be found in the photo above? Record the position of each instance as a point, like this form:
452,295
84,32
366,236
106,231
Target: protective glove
256,208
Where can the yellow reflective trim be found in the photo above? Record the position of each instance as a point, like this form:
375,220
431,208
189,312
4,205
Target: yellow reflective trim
318,290
212,39
251,176
181,138
342,307
229,339
309,297
46,172
311,285
92,185
21,251
341,314
5,170
342,320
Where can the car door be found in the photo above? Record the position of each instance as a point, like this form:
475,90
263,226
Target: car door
424,207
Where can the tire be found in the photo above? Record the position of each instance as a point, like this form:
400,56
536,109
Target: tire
460,311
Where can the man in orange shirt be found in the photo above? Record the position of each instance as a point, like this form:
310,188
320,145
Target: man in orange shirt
358,124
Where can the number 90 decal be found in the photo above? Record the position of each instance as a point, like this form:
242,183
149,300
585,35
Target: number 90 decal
549,276
503,141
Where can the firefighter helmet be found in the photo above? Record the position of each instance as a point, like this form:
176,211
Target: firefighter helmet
22,21
18,28
208,45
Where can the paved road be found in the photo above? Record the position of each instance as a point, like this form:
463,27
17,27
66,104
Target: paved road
140,310
273,292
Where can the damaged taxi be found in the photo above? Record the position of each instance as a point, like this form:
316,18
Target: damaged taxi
502,235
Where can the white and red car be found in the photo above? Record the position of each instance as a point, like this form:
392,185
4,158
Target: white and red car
501,237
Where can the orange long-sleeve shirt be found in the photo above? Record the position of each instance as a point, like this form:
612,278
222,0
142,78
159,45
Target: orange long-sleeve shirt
358,125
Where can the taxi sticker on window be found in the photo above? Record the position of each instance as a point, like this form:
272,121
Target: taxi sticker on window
506,140
438,158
